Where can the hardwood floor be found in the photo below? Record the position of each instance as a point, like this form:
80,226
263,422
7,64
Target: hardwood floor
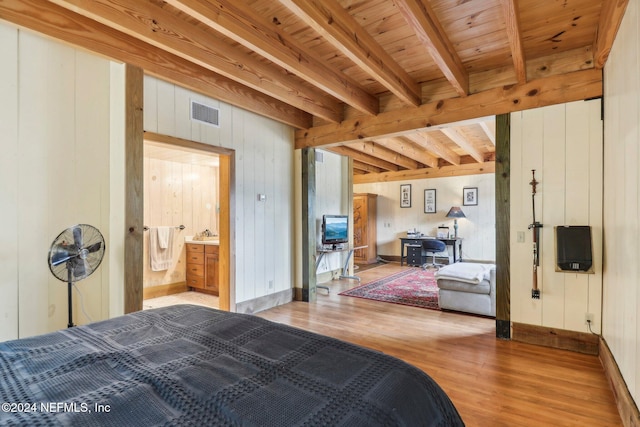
492,382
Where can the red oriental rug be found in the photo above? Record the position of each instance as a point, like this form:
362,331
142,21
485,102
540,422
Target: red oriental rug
415,287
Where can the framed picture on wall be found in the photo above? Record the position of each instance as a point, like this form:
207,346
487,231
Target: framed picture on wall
470,196
430,200
405,196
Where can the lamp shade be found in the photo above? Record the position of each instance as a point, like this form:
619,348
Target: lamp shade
455,212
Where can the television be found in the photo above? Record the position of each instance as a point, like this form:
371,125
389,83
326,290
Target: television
335,229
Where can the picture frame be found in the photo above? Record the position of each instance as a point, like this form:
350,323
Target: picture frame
430,200
470,196
405,196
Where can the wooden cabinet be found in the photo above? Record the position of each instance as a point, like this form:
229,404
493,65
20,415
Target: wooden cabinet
364,228
203,267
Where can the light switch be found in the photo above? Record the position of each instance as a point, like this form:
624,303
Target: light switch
520,236
262,197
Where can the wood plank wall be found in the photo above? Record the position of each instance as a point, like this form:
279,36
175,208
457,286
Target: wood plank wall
621,296
55,127
563,143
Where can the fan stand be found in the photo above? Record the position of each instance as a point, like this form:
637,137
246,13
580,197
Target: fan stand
69,289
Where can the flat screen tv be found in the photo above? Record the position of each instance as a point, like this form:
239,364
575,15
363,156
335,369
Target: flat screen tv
335,229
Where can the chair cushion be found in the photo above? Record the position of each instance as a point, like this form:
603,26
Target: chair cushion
433,245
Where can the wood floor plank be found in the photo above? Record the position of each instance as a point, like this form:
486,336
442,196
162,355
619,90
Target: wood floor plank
492,382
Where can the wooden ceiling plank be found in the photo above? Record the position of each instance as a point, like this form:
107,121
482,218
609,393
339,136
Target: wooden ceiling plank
424,140
409,149
551,90
422,19
333,22
364,158
462,141
610,19
445,171
373,149
62,24
156,26
511,13
240,23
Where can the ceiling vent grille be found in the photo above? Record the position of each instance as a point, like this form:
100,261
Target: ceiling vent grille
205,114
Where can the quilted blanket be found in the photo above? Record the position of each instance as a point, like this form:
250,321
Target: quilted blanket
195,366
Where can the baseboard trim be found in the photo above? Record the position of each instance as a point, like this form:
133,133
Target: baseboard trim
164,290
627,407
580,342
265,302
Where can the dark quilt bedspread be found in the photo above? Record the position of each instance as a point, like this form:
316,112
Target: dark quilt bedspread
191,365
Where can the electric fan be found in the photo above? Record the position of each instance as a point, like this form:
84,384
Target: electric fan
74,255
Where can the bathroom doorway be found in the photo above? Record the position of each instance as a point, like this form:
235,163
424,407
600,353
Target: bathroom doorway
187,193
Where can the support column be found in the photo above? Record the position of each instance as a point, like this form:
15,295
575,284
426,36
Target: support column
503,188
308,225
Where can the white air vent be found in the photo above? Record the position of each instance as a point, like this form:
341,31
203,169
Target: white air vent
205,114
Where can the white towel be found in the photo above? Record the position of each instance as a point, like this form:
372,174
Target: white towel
161,248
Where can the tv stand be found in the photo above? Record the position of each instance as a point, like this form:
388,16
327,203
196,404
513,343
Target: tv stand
345,270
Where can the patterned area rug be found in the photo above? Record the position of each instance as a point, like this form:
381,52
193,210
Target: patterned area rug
415,287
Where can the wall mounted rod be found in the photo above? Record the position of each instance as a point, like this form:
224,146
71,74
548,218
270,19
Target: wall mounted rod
181,227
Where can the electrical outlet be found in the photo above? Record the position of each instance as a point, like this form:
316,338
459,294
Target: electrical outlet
270,284
588,318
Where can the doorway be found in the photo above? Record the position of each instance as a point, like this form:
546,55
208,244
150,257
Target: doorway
187,188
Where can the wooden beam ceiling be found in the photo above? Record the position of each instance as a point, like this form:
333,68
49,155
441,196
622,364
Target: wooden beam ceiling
378,81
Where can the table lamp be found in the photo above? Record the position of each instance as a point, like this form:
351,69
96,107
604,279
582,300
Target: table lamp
455,212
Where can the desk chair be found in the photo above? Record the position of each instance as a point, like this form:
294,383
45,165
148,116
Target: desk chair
432,246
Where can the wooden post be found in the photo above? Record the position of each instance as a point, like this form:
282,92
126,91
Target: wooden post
134,202
308,224
503,170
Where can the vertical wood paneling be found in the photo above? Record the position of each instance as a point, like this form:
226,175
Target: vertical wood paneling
551,195
55,104
503,238
9,183
560,143
621,299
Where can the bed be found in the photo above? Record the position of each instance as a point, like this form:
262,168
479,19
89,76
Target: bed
193,365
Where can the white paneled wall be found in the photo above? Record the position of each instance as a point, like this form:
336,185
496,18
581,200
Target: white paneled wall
621,297
264,165
478,228
563,143
55,103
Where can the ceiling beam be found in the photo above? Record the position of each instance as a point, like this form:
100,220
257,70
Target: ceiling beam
443,172
365,167
242,24
610,19
551,90
373,149
427,142
423,21
462,141
489,130
409,149
511,13
364,158
335,25
62,24
157,26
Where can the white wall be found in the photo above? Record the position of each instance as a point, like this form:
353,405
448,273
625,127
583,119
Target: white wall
55,104
477,229
264,165
621,298
563,143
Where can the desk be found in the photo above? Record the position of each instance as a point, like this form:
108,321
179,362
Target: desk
345,269
456,243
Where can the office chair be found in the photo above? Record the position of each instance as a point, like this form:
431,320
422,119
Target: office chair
432,246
